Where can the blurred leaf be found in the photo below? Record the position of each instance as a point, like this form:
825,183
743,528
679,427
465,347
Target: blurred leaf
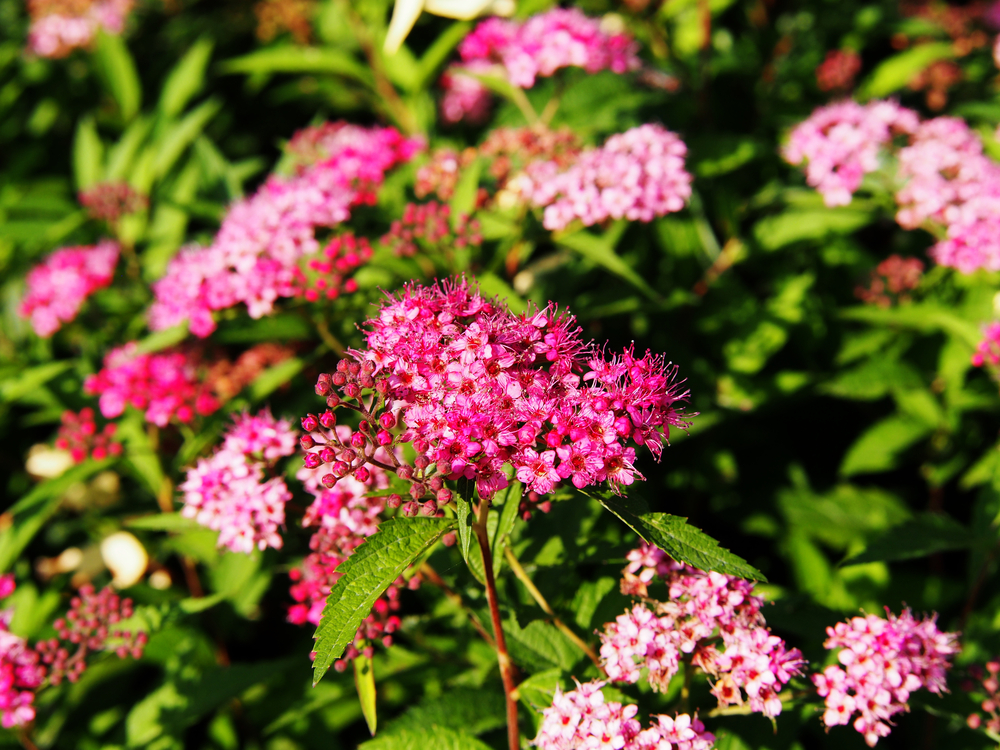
139,452
88,154
294,59
364,680
925,318
279,326
598,250
895,73
474,710
873,379
673,534
463,202
181,135
159,340
118,72
923,535
588,597
878,447
364,576
538,690
842,515
161,522
750,354
11,389
437,54
186,79
439,738
193,605
774,232
122,155
493,286
274,377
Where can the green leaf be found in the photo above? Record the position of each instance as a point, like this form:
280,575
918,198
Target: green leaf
274,377
896,72
193,605
181,135
280,326
463,506
88,154
159,340
437,54
927,318
162,522
186,79
122,155
878,448
680,540
31,380
463,202
438,738
364,680
923,535
294,59
364,576
118,72
511,500
538,690
139,453
474,710
599,251
774,232
540,646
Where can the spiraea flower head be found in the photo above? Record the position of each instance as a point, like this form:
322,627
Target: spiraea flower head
60,26
474,386
58,286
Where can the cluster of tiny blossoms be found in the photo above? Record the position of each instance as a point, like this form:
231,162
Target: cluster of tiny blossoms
990,685
164,384
474,386
343,513
327,275
90,626
883,661
842,142
711,618
891,281
109,201
539,46
637,175
59,285
79,435
60,26
255,257
988,350
228,493
583,720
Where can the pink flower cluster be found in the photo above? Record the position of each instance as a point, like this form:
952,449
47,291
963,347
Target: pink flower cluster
583,720
949,181
165,384
344,514
559,38
255,257
990,684
637,175
57,28
227,492
883,661
59,285
474,386
79,435
700,606
842,142
20,675
988,350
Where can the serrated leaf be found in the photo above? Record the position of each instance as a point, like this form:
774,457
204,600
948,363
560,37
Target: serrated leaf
438,738
364,680
675,536
598,250
540,645
921,536
878,448
474,710
364,576
186,78
118,72
505,522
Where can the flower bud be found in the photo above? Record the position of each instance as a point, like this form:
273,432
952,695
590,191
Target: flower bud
421,462
417,490
387,420
443,496
328,419
362,474
333,401
429,508
393,501
384,437
435,483
411,509
327,455
338,379
358,440
322,386
405,472
340,469
351,390
309,423
329,480
312,461
306,442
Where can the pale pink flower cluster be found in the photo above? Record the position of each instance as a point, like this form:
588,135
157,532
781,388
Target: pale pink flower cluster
842,142
712,617
59,285
883,662
164,384
254,259
344,515
228,492
637,175
55,33
523,51
988,350
583,720
474,386
949,181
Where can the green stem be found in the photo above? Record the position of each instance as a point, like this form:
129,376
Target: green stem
506,667
522,576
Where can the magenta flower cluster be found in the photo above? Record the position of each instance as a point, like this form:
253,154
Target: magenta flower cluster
637,175
20,671
254,259
343,516
56,33
524,51
163,384
988,350
882,661
228,491
59,285
474,386
583,720
711,618
842,142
